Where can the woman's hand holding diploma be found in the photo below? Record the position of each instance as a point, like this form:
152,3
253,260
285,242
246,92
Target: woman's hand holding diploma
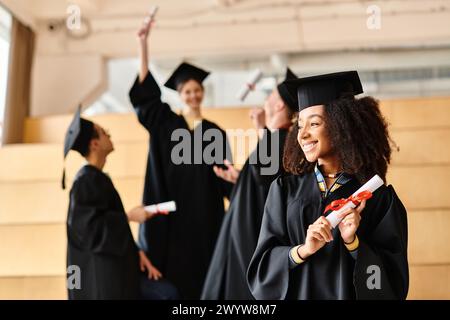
318,234
350,222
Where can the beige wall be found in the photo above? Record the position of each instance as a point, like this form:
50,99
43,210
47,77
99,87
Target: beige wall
60,83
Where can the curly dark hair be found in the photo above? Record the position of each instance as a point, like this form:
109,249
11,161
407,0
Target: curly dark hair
359,135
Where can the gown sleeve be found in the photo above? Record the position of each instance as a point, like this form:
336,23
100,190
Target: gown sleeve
266,142
225,186
146,100
268,271
384,248
92,226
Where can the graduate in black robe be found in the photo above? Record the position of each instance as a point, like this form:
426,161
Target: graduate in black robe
226,278
181,244
102,257
342,142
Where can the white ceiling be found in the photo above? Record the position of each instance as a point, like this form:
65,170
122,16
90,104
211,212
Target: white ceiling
310,36
251,26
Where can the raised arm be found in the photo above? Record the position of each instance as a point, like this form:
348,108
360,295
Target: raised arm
145,94
142,36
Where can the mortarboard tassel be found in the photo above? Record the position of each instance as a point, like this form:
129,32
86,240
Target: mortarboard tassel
63,182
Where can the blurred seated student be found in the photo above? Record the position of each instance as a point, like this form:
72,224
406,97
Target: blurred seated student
342,142
100,242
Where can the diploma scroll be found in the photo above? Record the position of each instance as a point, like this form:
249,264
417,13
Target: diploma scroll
151,15
159,207
152,12
253,79
371,185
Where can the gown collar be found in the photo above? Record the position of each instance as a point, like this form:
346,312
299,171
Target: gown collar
342,179
191,122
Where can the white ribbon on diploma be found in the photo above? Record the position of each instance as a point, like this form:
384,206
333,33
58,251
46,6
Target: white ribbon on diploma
159,207
371,185
253,79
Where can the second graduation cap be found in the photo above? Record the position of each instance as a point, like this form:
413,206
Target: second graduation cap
287,97
323,89
184,72
77,138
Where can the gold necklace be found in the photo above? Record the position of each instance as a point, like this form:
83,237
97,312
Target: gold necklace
332,175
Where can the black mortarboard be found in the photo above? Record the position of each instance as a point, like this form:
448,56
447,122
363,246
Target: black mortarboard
183,73
78,136
288,99
323,89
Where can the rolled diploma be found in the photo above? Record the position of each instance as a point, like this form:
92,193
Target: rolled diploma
371,185
253,79
152,12
169,206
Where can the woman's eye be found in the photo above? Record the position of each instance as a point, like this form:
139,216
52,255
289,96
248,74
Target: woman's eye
314,124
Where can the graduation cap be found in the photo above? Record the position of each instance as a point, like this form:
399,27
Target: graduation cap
290,75
288,99
323,89
78,136
185,72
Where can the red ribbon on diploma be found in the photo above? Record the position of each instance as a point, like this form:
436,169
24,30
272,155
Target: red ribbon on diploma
356,199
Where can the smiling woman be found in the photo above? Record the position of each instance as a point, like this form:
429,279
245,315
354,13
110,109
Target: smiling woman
342,141
5,30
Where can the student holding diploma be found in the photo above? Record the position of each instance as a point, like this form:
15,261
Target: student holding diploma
100,242
342,142
180,244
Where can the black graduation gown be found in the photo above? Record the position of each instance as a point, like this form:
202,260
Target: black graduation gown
226,278
181,244
295,202
100,241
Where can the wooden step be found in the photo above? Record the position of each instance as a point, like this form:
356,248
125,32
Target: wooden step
430,282
421,146
28,202
33,288
428,237
419,112
33,250
421,187
51,129
124,127
44,162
